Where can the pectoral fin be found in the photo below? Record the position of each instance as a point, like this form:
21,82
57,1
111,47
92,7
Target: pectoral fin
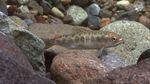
100,51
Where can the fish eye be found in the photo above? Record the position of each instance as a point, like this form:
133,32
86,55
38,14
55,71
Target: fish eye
114,39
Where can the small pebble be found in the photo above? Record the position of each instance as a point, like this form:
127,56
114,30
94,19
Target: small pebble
81,3
93,9
105,21
57,12
24,9
145,21
139,6
77,13
34,12
66,2
123,3
28,21
106,13
67,19
56,1
40,19
23,1
94,22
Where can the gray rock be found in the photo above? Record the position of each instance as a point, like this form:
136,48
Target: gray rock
112,60
23,1
19,21
14,67
136,39
35,6
23,9
32,47
93,9
30,44
9,49
77,13
3,7
46,6
94,22
56,1
28,21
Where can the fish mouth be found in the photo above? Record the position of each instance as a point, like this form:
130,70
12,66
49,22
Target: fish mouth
120,41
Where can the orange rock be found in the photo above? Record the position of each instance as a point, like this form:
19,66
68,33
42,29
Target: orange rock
105,21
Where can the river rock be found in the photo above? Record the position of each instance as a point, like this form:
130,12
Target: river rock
135,74
136,39
30,44
123,3
66,2
94,22
57,12
76,66
14,66
3,7
77,13
93,9
82,3
19,21
23,9
145,21
34,5
23,1
9,49
45,5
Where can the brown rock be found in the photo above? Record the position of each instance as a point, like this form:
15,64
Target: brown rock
145,21
40,19
82,3
66,2
76,66
11,9
106,13
50,31
67,19
105,21
135,74
50,53
54,20
35,6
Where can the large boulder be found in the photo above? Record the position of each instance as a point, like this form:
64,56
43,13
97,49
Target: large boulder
136,39
76,66
14,66
30,44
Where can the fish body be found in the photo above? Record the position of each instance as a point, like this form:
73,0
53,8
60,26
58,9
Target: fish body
88,40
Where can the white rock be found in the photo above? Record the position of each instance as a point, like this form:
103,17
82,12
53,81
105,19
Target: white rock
78,14
123,3
57,12
24,9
